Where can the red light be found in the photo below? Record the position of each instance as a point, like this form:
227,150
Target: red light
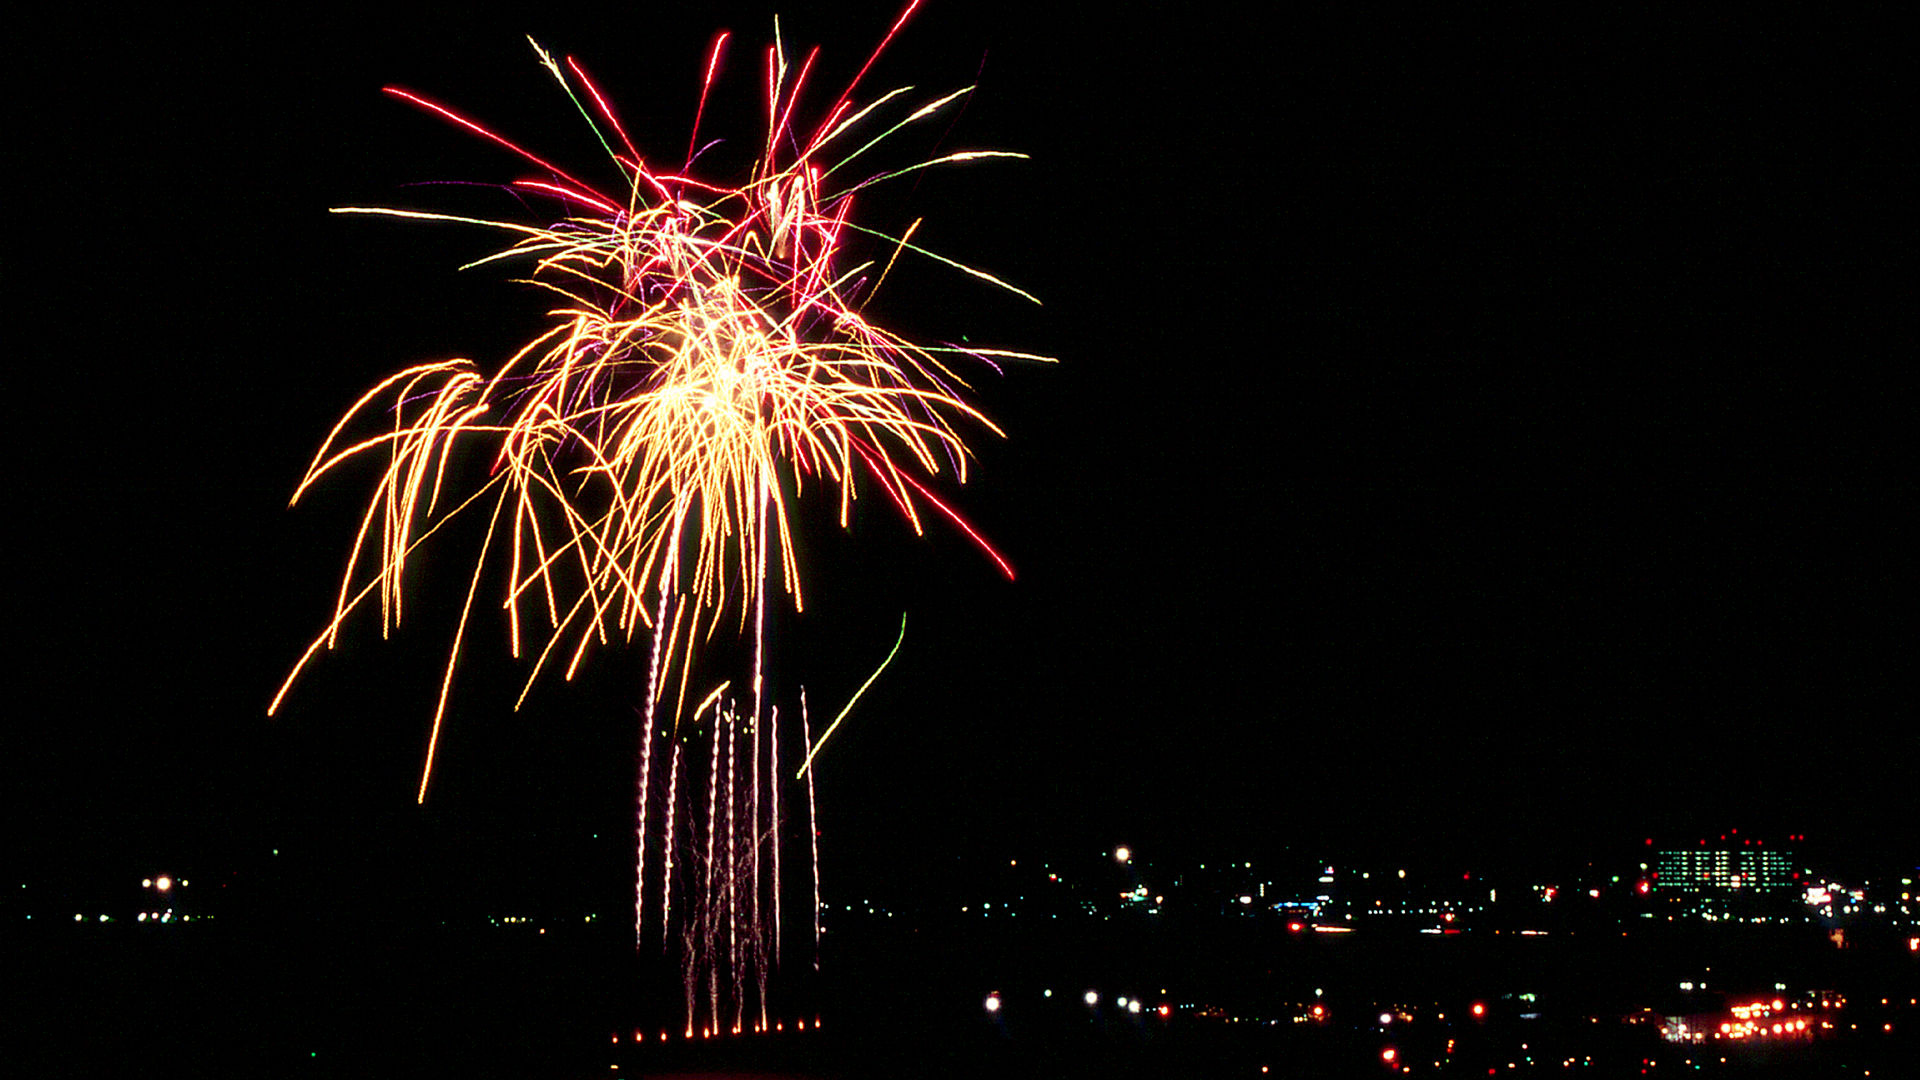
1296,927
1479,1009
1389,1054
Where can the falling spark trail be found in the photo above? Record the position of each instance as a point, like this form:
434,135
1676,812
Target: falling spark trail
733,896
707,936
813,833
773,753
666,876
806,765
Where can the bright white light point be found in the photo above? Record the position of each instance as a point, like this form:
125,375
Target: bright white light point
993,1002
1046,993
1385,1019
163,883
145,883
1133,1006
1092,998
1122,854
1120,1001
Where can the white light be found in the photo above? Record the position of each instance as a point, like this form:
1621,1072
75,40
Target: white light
1091,998
1122,854
1133,1006
993,1003
1120,1001
1385,1019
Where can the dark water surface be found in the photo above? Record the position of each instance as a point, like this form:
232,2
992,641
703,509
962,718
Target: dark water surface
334,1000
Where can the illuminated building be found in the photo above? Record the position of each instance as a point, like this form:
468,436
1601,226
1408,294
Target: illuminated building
1725,869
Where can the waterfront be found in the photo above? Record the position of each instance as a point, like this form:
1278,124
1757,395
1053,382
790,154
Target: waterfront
1198,997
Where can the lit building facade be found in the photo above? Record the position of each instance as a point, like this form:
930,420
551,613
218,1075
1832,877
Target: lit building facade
1744,869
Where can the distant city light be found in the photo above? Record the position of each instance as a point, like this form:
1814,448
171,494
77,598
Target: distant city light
1091,998
1134,1006
163,883
1122,854
993,1003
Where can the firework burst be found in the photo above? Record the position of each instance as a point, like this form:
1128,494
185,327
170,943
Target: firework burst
706,363
708,359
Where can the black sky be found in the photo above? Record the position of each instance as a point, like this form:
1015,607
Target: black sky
1466,437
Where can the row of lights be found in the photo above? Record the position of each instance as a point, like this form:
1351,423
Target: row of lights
994,1003
640,1037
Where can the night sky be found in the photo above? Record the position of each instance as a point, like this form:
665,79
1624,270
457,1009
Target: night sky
1466,438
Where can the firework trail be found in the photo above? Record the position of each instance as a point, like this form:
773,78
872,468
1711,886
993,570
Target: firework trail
707,361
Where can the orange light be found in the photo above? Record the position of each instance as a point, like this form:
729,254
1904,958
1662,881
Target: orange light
1388,1055
1479,1009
